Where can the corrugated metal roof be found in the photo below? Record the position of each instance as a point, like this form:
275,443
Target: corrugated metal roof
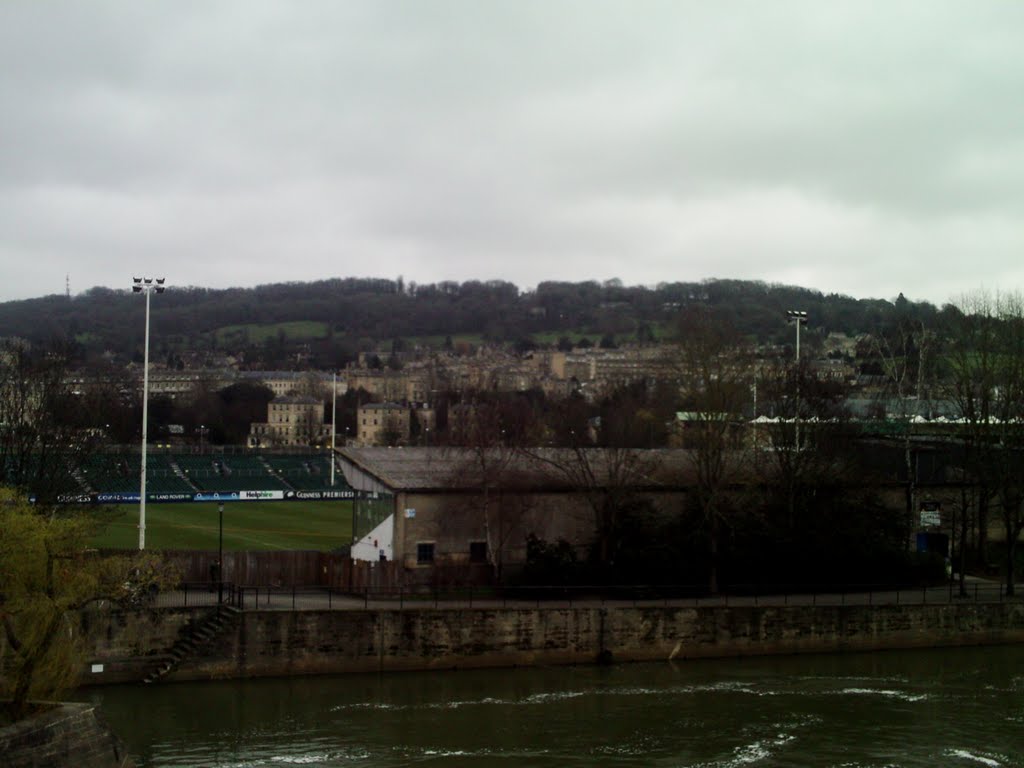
549,469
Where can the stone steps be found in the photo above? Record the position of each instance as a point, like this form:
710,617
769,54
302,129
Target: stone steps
201,635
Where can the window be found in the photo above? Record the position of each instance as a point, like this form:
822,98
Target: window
425,553
478,551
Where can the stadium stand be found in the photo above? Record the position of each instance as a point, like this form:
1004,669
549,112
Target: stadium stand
222,472
163,477
110,473
118,472
305,473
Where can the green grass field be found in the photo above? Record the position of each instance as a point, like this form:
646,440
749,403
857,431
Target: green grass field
257,334
316,525
437,342
551,337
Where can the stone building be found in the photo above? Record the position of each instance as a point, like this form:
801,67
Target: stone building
441,515
291,421
452,507
382,424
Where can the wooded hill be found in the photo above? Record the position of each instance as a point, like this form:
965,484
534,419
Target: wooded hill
331,320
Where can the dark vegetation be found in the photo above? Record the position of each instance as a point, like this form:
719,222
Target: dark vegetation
325,324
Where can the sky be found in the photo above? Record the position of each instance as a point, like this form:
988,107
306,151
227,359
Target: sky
863,148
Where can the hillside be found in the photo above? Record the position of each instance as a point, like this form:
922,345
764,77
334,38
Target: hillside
331,320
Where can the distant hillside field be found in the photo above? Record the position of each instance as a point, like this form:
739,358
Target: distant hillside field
329,321
315,525
252,333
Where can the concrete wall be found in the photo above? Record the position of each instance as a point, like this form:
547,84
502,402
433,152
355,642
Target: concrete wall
68,736
309,642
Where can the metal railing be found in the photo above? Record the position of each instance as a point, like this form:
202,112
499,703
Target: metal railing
296,598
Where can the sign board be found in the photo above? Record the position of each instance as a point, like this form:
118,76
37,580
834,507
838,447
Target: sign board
325,495
261,495
410,513
931,514
220,496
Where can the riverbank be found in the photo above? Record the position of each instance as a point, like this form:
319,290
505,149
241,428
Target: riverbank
128,646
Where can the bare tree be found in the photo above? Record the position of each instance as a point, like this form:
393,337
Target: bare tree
960,526
310,430
812,490
714,376
986,360
42,439
608,478
905,351
485,456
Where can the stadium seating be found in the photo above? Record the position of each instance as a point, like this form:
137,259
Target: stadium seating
305,473
118,472
228,472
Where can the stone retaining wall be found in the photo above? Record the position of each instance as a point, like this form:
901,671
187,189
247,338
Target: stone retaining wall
310,642
126,645
67,736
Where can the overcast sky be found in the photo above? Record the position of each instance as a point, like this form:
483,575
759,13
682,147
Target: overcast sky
865,148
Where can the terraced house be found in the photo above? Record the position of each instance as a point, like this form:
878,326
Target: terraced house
296,420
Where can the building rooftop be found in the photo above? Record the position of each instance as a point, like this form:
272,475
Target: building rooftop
539,469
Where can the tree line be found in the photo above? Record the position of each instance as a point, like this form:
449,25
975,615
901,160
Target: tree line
359,313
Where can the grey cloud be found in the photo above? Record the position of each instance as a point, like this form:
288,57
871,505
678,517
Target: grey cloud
867,148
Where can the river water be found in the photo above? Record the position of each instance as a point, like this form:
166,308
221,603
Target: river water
961,707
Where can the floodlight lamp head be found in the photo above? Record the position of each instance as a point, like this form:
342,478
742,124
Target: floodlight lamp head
136,289
148,280
137,280
160,280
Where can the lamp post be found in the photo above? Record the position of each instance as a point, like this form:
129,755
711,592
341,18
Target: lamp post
145,285
797,317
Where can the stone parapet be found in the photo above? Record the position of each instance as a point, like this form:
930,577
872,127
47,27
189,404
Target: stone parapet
64,736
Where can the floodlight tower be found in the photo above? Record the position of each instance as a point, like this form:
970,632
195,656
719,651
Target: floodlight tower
145,285
334,420
797,317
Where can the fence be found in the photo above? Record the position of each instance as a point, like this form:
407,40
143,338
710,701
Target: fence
255,597
304,569
286,569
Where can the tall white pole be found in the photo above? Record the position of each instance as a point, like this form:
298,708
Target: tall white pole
334,420
798,319
145,424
